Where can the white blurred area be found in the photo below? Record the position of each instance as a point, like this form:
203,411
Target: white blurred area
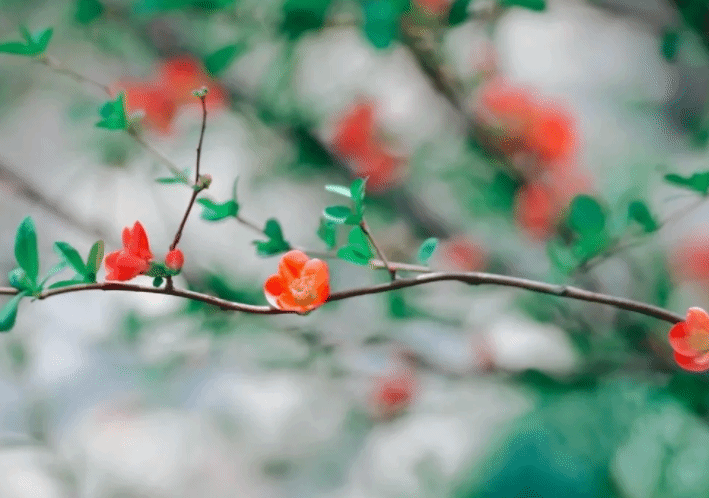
226,425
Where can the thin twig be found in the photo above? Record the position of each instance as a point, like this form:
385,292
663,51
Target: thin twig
58,67
471,278
201,137
365,228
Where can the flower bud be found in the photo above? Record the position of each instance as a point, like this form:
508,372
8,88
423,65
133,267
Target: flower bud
175,259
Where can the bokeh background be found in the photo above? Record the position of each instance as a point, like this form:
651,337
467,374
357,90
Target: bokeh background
477,123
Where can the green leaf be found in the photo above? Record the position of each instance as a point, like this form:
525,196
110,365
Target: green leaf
113,113
19,280
327,231
158,269
458,12
67,283
175,179
586,216
52,271
26,248
670,44
426,250
501,192
536,5
339,190
300,16
217,61
381,22
561,257
337,214
93,263
34,44
213,211
71,256
87,11
157,281
275,244
8,313
357,188
699,182
351,254
638,211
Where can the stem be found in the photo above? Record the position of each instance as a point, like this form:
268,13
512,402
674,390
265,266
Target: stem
471,278
201,137
195,193
365,228
170,165
58,67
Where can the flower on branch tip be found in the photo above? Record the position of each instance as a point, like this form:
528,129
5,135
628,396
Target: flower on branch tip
175,259
134,259
690,341
301,284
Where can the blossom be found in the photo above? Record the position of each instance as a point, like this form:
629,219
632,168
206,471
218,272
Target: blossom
393,393
301,284
175,259
690,260
170,90
433,7
133,259
355,131
536,210
690,341
551,134
462,254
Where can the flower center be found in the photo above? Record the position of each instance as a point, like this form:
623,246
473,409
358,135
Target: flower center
302,290
699,341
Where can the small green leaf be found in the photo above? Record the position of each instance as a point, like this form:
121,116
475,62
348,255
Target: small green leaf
26,248
699,182
536,5
113,113
53,271
71,256
357,188
426,250
213,211
19,280
67,283
337,214
157,281
275,244
670,44
638,211
561,257
158,269
87,11
300,16
381,22
217,61
351,254
586,215
357,237
93,263
34,44
8,313
339,190
175,179
458,12
327,231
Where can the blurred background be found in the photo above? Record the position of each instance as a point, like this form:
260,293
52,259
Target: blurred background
476,122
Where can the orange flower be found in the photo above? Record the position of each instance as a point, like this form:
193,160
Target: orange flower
354,133
175,259
462,254
393,393
382,169
551,134
133,259
690,341
170,90
301,284
536,210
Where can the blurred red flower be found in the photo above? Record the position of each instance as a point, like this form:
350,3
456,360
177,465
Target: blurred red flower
463,254
433,7
690,341
301,284
393,393
133,259
354,133
536,210
170,90
690,260
551,135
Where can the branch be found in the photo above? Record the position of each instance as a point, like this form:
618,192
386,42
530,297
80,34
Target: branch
365,228
470,278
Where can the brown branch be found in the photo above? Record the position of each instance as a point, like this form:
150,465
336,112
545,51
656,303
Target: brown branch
365,228
471,278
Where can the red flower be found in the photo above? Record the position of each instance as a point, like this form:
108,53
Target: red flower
506,112
393,393
463,254
354,133
433,7
133,259
690,341
552,134
170,90
382,169
175,259
536,210
301,284
691,259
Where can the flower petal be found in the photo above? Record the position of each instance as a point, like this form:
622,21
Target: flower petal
138,244
692,363
697,320
121,265
678,340
273,288
291,265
